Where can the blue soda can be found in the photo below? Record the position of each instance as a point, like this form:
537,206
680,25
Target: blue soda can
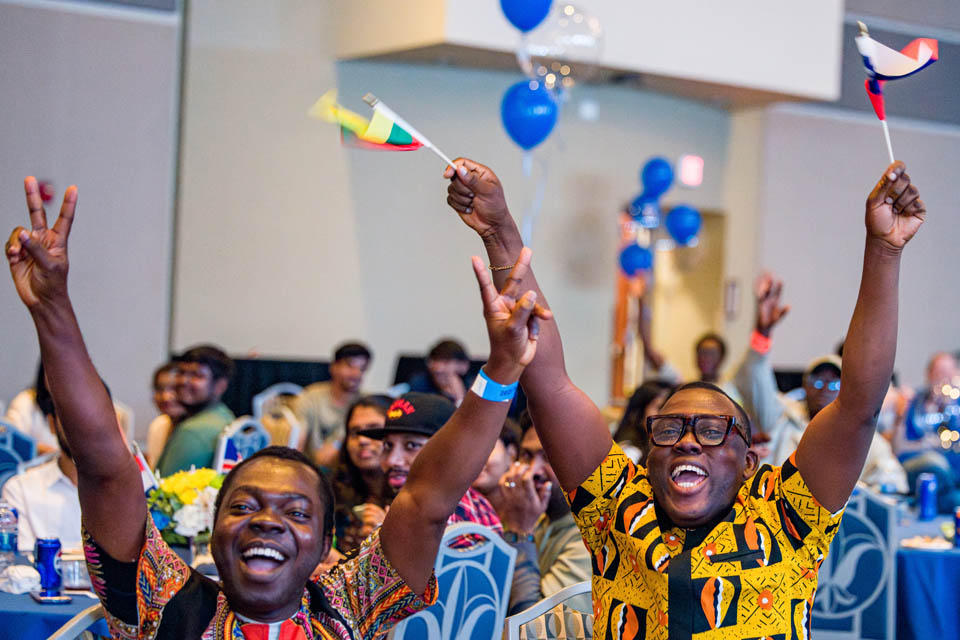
926,496
46,554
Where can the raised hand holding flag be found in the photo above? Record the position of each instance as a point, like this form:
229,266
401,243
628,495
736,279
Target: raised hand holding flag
883,63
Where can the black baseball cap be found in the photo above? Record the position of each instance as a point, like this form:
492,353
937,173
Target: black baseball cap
415,412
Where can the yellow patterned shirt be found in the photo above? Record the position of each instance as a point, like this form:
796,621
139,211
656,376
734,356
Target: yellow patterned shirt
753,575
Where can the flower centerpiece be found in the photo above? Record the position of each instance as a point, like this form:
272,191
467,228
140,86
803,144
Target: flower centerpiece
182,506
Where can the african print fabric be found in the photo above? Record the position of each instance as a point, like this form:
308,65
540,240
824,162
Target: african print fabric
752,575
160,596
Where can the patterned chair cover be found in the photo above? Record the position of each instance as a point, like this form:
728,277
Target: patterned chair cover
474,590
856,592
240,439
552,618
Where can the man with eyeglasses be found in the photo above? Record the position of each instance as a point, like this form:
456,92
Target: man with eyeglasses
784,419
701,542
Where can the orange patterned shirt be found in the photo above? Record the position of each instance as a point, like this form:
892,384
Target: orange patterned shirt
752,575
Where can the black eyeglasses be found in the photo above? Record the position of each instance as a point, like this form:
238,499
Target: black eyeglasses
710,430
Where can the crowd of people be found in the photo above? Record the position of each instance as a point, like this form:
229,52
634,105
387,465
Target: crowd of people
717,477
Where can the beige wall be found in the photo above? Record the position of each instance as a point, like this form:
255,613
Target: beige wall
819,164
88,97
290,243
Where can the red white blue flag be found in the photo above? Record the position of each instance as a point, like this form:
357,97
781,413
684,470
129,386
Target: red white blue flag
883,63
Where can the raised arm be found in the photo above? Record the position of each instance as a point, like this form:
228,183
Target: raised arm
111,494
453,457
835,444
755,379
573,432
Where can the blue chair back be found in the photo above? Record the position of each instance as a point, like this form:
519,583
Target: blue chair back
15,448
856,594
240,439
474,589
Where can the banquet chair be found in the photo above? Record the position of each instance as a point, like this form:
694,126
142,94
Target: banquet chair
261,401
77,625
15,449
283,426
474,589
857,584
240,439
553,618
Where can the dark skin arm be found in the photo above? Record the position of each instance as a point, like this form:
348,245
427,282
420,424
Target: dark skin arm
111,493
571,428
835,443
653,357
415,523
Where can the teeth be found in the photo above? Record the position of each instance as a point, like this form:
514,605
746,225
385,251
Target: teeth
264,553
686,467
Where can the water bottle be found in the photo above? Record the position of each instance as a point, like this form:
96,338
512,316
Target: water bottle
8,535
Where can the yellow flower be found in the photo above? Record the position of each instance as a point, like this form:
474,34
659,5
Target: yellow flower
186,485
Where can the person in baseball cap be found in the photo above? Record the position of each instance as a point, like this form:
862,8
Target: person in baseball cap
411,420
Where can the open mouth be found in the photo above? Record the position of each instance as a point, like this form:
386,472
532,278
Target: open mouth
688,477
396,479
260,559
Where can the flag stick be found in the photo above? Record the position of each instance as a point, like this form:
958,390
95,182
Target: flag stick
886,134
377,104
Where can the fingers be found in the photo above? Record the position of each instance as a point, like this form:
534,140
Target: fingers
886,184
38,216
65,219
488,292
14,246
512,286
522,312
37,251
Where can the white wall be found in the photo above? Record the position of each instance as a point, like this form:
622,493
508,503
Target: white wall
289,243
88,97
819,166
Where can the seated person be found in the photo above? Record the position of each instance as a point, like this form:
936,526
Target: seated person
504,454
710,349
917,440
274,512
538,523
322,406
631,433
26,416
703,542
411,421
45,496
446,375
785,420
171,411
358,482
203,374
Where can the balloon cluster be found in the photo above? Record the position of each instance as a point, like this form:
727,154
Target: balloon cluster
682,223
559,46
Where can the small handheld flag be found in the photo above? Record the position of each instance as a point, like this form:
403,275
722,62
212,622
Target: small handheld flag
146,476
883,63
386,131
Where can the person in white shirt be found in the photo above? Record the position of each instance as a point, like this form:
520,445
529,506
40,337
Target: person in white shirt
27,418
45,496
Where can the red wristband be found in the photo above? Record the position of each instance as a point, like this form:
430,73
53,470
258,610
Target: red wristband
759,342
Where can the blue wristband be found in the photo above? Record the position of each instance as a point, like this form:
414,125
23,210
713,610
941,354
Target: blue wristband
491,390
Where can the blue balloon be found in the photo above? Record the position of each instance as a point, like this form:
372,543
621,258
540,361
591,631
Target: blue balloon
634,259
528,114
656,177
525,14
683,223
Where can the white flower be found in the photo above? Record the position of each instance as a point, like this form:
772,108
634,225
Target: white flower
190,520
207,500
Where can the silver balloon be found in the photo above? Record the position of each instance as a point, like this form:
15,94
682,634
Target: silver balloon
563,50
